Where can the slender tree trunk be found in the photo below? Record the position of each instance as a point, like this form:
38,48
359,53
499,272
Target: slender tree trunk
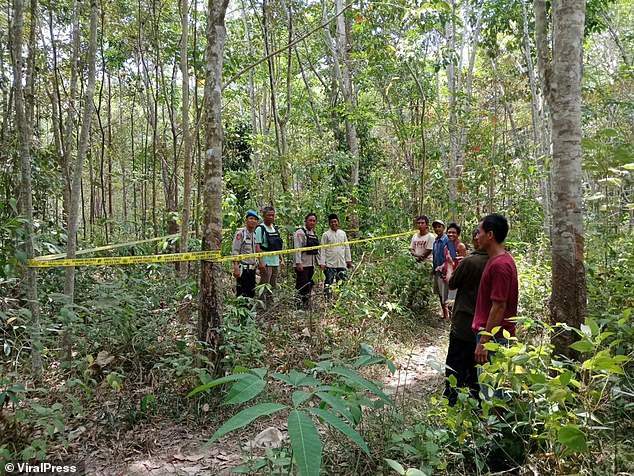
22,108
343,73
210,309
561,70
459,100
187,137
540,134
73,217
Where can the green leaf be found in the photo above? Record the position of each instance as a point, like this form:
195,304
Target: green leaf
582,346
391,366
308,380
245,389
299,397
343,427
296,377
305,443
395,465
361,382
260,371
565,377
337,404
573,438
283,377
414,472
245,417
215,383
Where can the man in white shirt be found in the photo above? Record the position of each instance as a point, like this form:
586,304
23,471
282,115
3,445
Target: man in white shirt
336,260
422,242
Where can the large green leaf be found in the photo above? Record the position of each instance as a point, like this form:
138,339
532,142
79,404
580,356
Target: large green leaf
337,405
361,382
343,427
215,383
573,438
245,417
305,443
582,346
245,389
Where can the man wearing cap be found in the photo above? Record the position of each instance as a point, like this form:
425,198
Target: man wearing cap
244,243
438,256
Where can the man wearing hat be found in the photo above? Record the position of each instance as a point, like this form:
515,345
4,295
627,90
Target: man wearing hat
438,255
244,243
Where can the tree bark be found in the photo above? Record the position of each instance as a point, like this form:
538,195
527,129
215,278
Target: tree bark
562,77
187,137
73,216
343,72
210,308
22,108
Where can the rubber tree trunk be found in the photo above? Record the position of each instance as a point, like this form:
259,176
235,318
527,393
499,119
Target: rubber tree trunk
210,304
22,111
561,69
187,137
84,136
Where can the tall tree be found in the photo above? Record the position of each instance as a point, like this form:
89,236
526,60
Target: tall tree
342,64
84,136
210,304
561,72
187,137
23,101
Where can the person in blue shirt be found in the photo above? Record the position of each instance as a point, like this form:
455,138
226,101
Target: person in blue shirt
438,256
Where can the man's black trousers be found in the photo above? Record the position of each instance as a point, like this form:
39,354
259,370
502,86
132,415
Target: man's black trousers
461,364
245,285
304,283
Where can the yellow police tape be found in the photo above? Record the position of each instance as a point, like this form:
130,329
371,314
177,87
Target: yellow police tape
213,255
112,247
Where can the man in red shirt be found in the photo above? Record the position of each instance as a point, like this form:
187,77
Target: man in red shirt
498,291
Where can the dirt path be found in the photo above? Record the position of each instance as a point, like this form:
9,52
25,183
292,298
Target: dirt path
174,449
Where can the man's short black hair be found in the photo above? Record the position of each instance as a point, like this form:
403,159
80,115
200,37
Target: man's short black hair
455,226
333,216
423,218
265,210
497,224
308,215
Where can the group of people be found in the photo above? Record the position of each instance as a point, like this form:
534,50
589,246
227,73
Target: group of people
483,287
258,237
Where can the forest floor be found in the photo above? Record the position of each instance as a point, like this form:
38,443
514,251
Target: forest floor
171,446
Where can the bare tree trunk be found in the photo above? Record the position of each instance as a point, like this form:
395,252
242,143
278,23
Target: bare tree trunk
73,217
562,82
187,137
459,100
343,73
22,108
210,317
280,130
540,134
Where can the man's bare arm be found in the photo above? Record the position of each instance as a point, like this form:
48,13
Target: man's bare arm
496,316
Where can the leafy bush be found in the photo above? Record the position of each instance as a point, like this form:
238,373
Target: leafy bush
334,394
563,414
